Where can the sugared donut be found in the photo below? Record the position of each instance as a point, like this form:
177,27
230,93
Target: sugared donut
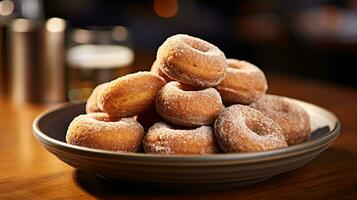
186,106
131,94
99,131
191,60
240,128
92,105
155,68
244,83
164,139
293,119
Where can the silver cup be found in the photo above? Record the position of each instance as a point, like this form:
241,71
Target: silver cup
37,61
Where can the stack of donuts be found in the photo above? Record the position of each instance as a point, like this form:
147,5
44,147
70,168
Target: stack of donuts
193,101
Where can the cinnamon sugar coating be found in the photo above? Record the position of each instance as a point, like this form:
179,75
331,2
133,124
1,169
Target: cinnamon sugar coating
164,139
130,95
155,68
178,101
191,61
293,119
244,83
240,128
100,131
92,105
186,106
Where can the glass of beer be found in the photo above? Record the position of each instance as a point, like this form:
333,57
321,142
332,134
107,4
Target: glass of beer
96,55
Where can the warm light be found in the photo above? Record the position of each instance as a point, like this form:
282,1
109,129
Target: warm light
90,56
332,18
55,25
21,25
81,36
6,7
120,33
166,8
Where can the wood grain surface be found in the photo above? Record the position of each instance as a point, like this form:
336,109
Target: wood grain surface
28,171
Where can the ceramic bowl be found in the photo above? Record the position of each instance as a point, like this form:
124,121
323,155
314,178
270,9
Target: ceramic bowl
182,172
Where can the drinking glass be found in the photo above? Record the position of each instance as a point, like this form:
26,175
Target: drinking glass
96,55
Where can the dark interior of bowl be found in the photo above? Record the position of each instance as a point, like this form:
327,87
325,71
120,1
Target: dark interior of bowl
55,124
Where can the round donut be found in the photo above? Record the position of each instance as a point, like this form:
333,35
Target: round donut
131,94
186,106
92,105
192,61
155,68
164,139
240,128
244,83
100,131
293,119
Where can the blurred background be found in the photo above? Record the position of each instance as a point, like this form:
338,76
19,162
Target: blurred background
67,47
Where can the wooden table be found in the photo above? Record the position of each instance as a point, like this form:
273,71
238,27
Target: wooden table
28,171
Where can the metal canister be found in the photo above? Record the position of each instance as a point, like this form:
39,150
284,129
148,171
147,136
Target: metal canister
54,87
37,61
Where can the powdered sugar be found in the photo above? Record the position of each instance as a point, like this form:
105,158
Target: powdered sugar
240,128
131,94
181,106
244,83
164,139
191,61
293,119
99,130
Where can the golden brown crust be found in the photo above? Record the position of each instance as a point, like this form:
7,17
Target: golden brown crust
92,105
100,131
186,86
293,119
155,68
131,94
241,128
244,83
191,61
164,139
181,105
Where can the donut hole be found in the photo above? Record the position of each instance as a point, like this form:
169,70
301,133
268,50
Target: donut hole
180,128
198,45
185,87
256,127
284,109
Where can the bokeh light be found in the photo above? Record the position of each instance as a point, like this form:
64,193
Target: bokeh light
166,8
